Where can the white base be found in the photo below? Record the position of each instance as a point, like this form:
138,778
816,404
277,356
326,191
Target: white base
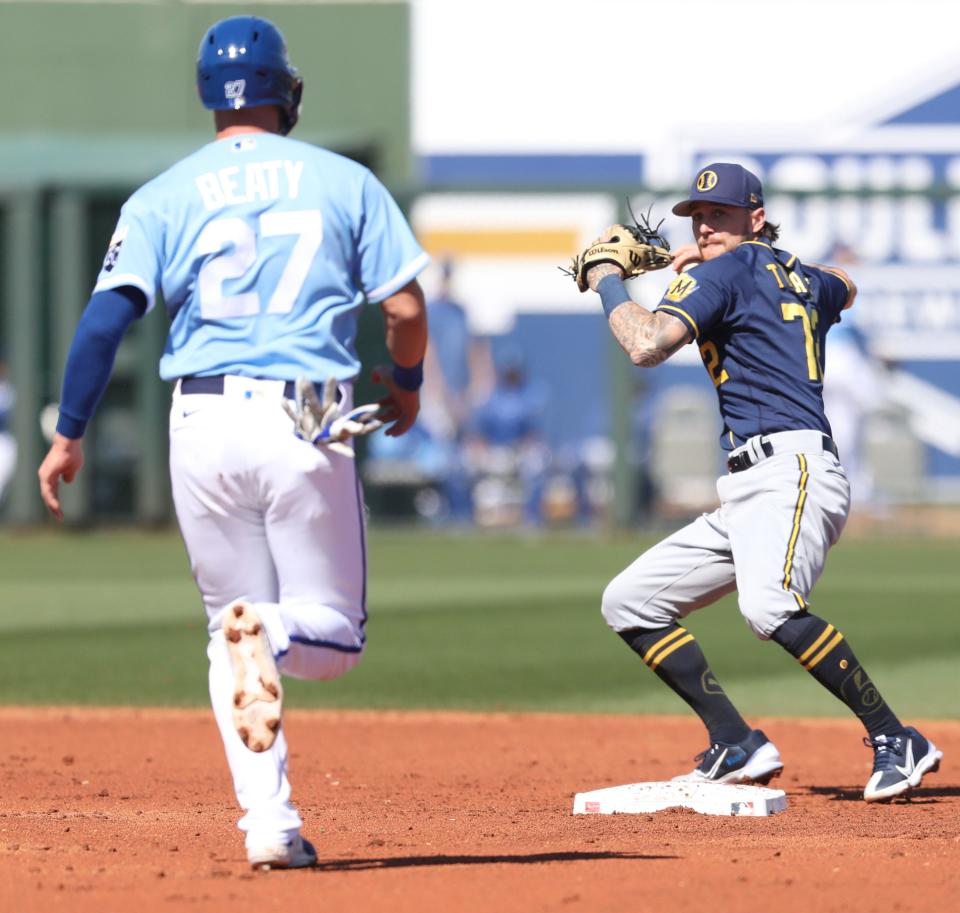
705,798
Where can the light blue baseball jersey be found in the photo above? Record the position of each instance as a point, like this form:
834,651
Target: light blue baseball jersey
264,249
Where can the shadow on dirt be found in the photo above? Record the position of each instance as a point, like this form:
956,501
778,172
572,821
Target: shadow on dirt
924,795
401,862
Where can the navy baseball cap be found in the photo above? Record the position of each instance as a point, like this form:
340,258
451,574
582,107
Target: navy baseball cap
726,183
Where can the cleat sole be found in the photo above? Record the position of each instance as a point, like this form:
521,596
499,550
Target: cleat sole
258,696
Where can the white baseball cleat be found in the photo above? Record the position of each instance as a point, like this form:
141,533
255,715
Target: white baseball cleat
295,854
257,695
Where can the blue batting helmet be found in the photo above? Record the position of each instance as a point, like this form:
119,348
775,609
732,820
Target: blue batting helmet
242,63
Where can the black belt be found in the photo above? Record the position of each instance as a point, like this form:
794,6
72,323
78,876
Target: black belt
214,385
744,459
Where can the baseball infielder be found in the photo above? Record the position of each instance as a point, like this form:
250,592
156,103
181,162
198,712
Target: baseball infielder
760,319
264,249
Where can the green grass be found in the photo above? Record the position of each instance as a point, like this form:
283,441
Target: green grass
464,621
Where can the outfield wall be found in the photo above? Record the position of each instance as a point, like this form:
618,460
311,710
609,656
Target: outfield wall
128,68
509,149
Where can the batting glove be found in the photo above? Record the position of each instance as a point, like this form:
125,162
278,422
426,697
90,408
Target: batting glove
323,424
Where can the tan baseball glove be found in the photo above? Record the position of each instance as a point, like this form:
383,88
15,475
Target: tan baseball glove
636,249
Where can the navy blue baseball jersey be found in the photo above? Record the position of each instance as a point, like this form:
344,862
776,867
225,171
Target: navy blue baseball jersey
760,318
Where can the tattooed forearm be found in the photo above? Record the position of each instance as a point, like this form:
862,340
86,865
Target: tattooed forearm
648,338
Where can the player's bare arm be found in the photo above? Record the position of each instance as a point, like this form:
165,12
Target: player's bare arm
405,318
844,278
649,338
405,325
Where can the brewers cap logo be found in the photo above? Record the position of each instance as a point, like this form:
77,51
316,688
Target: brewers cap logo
706,181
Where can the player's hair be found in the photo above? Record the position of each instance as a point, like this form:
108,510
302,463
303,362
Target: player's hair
770,231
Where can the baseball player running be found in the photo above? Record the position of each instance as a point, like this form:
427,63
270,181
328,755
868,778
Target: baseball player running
264,249
760,319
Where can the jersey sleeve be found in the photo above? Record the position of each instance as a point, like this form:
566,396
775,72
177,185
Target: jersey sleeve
389,254
698,297
134,254
833,292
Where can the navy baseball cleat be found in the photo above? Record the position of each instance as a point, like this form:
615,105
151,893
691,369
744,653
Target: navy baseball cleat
899,763
754,760
295,854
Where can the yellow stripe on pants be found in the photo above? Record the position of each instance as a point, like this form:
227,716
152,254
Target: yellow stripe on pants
797,515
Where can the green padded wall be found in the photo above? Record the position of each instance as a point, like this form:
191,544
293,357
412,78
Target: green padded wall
128,68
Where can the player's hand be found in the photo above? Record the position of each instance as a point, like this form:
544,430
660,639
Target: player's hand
64,460
399,406
686,255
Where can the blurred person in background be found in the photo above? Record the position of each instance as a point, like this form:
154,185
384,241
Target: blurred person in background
505,449
445,403
852,390
450,379
430,458
8,444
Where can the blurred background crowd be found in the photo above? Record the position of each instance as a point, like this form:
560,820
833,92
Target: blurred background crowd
489,448
531,416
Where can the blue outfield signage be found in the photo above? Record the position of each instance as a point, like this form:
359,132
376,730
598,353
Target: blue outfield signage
893,219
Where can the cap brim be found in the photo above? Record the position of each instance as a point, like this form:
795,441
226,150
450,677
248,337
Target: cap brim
685,208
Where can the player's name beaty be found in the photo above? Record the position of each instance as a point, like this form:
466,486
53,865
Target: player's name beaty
250,182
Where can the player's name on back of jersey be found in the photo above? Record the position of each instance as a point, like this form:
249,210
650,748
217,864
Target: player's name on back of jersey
249,183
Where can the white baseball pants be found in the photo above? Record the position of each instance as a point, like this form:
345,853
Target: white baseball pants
768,540
269,519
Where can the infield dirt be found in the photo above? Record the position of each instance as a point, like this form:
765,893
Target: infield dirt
119,810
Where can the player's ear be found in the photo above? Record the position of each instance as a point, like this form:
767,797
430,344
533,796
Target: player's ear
757,220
